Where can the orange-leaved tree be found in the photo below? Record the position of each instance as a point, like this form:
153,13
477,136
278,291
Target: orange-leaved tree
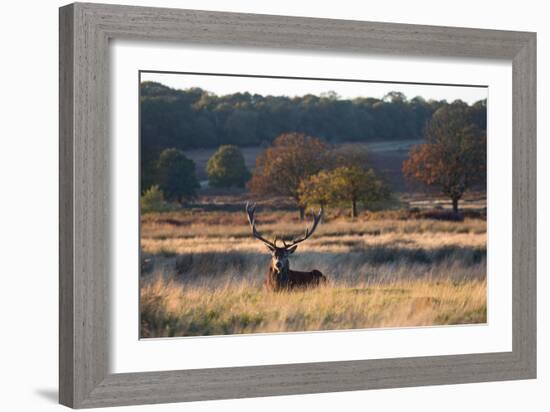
281,168
453,158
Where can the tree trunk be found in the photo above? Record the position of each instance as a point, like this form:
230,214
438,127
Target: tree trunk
455,204
353,208
302,212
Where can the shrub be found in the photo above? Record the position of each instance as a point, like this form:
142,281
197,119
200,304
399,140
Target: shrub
153,200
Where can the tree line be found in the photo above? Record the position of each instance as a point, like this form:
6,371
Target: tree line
195,118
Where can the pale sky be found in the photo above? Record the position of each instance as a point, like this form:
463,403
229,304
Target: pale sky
222,85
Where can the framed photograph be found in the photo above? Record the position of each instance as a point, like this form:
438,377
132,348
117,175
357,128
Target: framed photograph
257,205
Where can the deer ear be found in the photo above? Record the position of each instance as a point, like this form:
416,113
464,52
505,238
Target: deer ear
292,249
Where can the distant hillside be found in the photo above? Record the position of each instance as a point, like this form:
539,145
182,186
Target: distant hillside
194,118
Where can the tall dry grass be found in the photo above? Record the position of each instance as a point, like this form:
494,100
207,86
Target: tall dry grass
202,273
169,308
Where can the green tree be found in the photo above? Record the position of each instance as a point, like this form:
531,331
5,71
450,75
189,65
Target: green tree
176,174
454,157
349,185
315,190
281,168
354,184
152,200
226,168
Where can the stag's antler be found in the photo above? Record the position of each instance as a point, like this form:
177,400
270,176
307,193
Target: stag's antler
250,209
309,232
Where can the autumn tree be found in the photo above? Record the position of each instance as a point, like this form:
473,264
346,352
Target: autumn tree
226,168
281,168
348,185
316,190
453,158
176,174
354,184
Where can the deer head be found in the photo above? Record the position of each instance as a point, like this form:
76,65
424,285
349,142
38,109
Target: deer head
280,254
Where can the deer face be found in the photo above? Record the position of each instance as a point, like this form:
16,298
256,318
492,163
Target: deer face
279,257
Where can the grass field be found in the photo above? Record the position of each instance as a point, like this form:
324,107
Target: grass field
202,272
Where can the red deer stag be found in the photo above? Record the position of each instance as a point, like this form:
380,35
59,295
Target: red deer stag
280,277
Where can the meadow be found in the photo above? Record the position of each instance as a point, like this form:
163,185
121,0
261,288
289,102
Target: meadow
202,271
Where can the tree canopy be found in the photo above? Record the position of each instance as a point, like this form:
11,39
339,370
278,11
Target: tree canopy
226,168
453,159
176,175
281,167
343,185
316,189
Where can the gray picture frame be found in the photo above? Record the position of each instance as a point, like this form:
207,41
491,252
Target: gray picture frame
85,32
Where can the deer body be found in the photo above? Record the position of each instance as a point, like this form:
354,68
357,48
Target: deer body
280,277
292,279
